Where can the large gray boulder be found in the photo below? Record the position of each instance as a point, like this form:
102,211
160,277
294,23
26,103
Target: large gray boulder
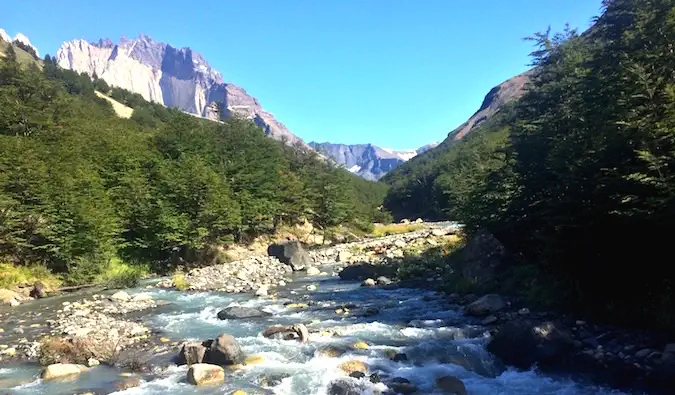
291,253
481,259
224,350
525,343
485,305
240,312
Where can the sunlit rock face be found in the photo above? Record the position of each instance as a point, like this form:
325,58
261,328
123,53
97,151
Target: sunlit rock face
174,77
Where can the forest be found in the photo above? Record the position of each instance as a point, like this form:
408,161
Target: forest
82,189
576,178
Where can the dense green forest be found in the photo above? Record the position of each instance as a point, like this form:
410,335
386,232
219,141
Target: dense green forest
577,178
81,187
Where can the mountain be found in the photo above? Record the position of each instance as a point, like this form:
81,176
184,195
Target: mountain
366,160
20,38
504,93
174,77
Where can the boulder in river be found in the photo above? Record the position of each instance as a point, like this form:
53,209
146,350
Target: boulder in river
224,350
191,353
62,370
38,291
291,253
451,385
205,374
288,332
344,387
485,305
366,270
241,312
524,343
352,366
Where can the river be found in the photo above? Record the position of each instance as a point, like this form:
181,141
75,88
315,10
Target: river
437,339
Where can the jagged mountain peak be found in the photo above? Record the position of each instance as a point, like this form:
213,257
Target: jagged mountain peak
174,77
19,37
366,160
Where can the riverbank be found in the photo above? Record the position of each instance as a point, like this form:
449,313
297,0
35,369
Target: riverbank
414,340
523,334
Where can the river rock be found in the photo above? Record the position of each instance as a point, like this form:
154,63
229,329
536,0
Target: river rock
205,374
369,282
191,353
312,271
344,387
61,370
120,296
126,383
224,350
38,291
382,280
344,256
402,385
291,253
241,312
451,385
485,305
262,291
352,366
524,343
330,352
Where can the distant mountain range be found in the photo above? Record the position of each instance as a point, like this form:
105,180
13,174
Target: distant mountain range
174,77
366,160
183,79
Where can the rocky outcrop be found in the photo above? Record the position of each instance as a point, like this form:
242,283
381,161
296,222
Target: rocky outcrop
366,160
506,92
291,253
524,343
174,77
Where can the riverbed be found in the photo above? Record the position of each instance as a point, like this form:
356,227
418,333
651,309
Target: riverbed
437,339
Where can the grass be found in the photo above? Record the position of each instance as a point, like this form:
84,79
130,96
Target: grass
13,275
179,281
22,56
394,229
119,274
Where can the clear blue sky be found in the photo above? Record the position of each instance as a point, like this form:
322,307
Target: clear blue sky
395,73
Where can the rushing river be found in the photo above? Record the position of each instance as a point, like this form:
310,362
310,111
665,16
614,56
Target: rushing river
433,334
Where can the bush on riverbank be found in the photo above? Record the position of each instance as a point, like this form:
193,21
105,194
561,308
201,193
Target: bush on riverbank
12,276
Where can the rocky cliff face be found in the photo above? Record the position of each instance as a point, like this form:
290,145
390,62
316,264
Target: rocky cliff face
174,77
508,91
366,160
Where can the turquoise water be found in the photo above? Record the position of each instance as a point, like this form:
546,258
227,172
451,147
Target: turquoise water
437,339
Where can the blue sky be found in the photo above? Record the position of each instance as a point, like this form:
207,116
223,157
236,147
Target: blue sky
395,73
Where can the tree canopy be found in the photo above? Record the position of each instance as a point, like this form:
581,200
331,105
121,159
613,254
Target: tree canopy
578,176
80,186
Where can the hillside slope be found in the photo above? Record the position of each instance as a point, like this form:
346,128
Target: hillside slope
174,77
